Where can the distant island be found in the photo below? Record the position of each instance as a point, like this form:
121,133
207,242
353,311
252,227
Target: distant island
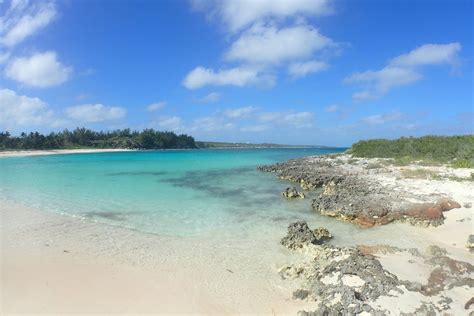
83,138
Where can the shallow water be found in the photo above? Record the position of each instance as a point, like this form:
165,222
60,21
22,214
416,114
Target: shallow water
173,193
207,194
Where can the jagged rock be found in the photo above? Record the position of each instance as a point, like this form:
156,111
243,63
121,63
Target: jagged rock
322,234
435,251
299,235
352,196
469,303
431,212
342,279
470,242
292,193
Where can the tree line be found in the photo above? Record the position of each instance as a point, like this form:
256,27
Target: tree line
86,138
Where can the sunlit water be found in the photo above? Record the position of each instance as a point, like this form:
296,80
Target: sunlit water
183,193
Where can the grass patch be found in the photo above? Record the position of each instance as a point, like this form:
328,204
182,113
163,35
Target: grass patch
462,163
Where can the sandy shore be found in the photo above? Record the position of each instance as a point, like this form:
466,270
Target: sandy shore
24,153
56,264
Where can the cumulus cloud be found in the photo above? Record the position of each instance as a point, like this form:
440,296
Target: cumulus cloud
429,54
23,19
402,70
211,124
301,69
264,44
170,123
236,15
267,36
239,76
23,111
210,98
296,119
332,108
381,81
242,112
95,113
379,119
156,106
39,70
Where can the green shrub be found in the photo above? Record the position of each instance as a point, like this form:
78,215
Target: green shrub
434,149
462,163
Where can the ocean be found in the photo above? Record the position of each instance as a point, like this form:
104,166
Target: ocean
168,192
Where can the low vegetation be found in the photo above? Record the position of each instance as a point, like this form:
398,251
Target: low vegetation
86,138
458,151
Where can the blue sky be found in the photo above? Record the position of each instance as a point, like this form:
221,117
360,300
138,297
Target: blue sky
297,72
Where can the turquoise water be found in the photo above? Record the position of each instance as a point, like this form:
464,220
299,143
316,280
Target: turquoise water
173,193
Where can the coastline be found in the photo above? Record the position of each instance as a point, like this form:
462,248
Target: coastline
54,263
67,264
421,261
27,153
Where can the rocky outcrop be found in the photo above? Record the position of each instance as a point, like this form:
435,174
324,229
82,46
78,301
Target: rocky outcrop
347,193
322,234
292,193
470,242
341,279
300,235
350,280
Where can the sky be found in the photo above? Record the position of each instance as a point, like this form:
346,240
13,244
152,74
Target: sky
314,72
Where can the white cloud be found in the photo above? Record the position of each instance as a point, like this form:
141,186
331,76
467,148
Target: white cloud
40,70
429,54
301,69
23,19
386,78
269,45
94,113
211,124
379,119
240,112
238,14
23,111
210,98
156,106
296,119
239,76
332,108
170,123
254,128
402,70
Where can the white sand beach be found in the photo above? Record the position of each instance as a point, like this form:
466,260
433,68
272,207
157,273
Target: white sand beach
25,153
57,264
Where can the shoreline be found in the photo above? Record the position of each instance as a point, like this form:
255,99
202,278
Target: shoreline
67,264
422,266
28,153
53,263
